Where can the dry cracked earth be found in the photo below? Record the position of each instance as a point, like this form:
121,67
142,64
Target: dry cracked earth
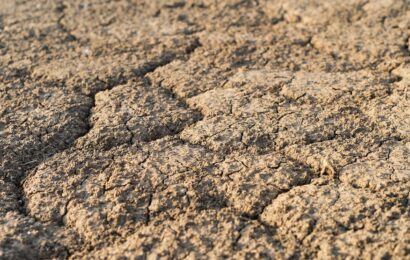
204,129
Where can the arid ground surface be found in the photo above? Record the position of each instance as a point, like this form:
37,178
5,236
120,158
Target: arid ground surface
204,129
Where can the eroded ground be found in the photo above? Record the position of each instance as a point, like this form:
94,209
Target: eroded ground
205,129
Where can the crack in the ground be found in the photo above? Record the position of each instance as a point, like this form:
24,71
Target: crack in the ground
141,72
102,30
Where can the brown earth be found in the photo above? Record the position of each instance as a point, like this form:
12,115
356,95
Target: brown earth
205,129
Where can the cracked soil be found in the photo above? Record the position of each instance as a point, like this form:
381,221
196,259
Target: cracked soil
206,129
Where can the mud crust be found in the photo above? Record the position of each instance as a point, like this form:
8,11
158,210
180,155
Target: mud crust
205,129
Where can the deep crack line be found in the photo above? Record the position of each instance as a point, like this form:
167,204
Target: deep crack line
114,81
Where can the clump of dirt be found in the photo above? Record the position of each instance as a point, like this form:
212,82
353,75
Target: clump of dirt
203,129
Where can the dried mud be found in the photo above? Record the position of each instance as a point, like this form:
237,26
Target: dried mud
205,129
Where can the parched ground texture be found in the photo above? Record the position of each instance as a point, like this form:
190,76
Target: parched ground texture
205,129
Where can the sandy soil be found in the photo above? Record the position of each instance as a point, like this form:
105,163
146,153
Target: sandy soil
205,129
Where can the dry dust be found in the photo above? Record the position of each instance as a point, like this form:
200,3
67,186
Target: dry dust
205,129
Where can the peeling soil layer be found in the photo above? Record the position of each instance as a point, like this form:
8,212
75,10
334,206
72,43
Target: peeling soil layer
205,129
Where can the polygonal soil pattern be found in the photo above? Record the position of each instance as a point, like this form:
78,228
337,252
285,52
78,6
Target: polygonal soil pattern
205,129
